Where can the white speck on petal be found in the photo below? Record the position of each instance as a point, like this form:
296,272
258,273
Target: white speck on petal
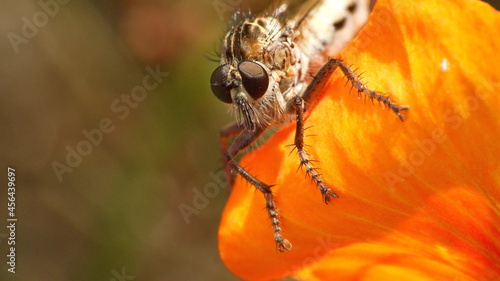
445,66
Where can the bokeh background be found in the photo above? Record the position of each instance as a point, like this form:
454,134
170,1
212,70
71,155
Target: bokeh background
116,214
119,208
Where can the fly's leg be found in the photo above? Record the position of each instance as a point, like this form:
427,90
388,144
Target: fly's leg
299,105
321,78
311,171
229,131
241,142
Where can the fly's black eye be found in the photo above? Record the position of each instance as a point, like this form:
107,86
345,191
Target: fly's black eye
219,85
254,78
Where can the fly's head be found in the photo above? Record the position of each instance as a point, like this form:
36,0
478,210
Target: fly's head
244,86
251,73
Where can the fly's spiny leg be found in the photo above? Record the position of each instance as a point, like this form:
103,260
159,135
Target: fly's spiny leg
298,106
241,142
281,243
356,82
226,133
323,75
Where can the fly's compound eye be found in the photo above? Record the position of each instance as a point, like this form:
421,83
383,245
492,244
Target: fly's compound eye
254,78
219,84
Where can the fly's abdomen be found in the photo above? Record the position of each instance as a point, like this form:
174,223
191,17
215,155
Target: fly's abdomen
329,25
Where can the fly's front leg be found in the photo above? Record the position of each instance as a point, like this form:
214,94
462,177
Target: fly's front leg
321,78
311,171
241,142
229,131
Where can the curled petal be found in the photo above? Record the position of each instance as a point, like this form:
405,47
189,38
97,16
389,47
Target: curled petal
419,200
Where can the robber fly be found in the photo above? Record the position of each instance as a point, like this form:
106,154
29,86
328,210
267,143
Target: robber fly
267,74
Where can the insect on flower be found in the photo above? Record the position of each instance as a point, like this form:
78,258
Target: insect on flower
266,73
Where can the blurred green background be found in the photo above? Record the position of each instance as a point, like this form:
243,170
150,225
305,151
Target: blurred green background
116,213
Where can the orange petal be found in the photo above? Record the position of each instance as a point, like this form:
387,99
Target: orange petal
419,200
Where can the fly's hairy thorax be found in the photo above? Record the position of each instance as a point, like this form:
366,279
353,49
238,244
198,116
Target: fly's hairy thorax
266,41
267,60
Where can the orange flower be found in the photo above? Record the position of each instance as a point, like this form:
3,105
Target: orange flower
419,200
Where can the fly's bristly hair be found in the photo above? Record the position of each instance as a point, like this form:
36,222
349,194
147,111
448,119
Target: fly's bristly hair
252,115
213,55
276,10
238,16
